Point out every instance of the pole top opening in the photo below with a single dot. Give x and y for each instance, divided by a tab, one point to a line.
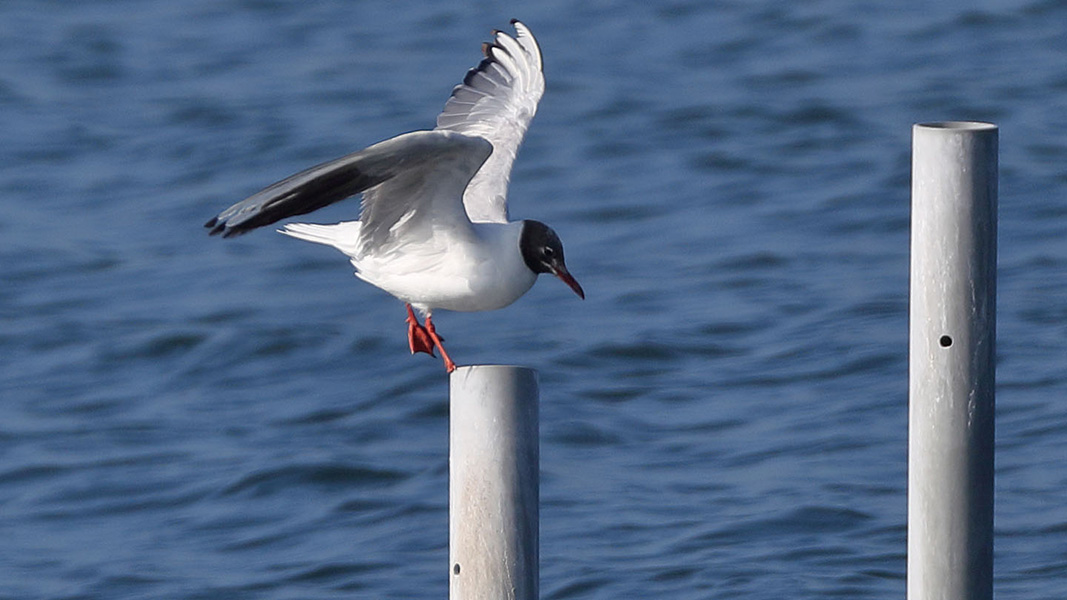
958	125
467	370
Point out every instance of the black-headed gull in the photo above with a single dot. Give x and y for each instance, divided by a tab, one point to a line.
433	229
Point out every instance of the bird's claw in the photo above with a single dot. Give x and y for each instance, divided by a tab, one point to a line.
418	338
425	339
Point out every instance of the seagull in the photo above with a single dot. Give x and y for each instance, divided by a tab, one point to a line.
433	227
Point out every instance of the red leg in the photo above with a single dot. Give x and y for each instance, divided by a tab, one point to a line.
418	338
449	365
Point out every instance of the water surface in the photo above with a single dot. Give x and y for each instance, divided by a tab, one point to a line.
725	416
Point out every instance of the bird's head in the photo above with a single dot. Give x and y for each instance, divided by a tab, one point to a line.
543	253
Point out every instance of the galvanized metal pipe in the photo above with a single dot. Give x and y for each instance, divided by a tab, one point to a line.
493	483
952	355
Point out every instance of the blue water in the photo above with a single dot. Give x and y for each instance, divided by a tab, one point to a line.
725	416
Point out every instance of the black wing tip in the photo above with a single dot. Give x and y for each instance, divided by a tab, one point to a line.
540	55
468	79
487	48
216	227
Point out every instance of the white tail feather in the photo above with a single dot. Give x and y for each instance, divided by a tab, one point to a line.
343	236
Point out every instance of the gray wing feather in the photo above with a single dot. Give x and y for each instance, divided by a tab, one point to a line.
496	101
412	175
299	194
427	193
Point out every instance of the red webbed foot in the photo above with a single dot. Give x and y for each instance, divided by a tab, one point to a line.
449	365
425	339
418	338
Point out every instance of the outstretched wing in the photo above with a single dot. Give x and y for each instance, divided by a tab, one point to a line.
407	181
496	101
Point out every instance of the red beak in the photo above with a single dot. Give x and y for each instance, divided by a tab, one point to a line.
567	278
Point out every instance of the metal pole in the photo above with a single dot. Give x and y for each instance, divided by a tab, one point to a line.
493	483
952	361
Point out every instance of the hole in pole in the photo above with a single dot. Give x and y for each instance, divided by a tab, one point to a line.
455	569
945	341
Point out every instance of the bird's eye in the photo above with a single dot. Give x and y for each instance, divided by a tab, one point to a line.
549	252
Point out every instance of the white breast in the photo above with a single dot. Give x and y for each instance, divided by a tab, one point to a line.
483	272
